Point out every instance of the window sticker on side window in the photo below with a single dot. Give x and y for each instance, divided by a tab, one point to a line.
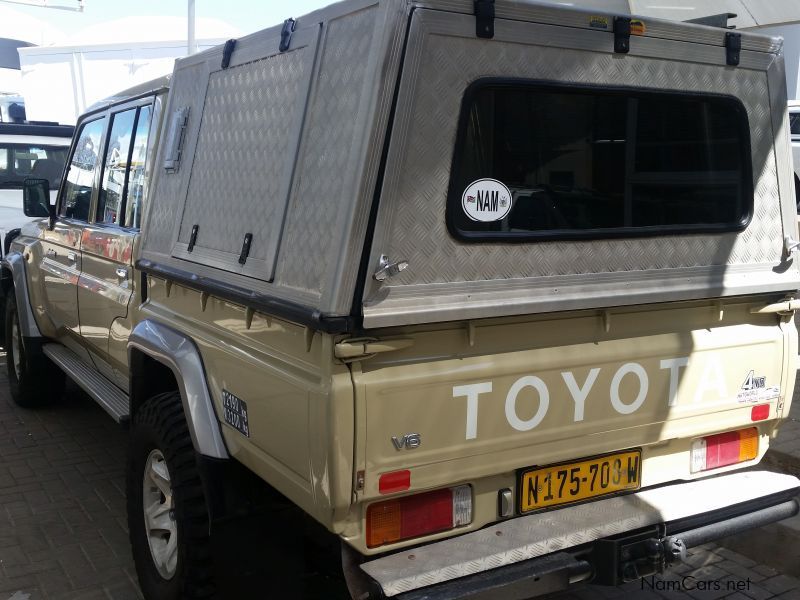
486	200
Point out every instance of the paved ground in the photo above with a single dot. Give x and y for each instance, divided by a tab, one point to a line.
63	531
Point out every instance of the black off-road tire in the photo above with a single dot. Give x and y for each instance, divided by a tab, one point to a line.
32	377
159	425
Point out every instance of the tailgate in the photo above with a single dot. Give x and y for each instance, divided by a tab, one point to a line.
486	399
571	249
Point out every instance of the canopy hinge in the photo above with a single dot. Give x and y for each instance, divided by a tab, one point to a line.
733	48
484	19
622	35
289	25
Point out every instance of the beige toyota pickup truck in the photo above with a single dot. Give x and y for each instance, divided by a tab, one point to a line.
494	297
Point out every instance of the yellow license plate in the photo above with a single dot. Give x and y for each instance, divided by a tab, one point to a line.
560	484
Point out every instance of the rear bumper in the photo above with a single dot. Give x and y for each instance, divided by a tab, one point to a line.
608	541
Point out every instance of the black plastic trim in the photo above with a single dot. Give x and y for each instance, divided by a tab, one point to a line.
453	198
270	305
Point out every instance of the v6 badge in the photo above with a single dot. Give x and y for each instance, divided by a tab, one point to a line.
408	441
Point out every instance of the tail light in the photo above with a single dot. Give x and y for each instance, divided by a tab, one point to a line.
417	515
722	449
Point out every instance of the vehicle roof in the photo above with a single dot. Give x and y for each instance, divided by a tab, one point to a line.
143	89
37	129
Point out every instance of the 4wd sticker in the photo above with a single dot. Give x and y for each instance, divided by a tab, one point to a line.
486	200
754	389
235	410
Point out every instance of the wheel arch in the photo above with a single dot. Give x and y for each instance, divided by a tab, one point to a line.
162	359
14	277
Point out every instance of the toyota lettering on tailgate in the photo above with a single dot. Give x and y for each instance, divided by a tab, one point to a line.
712	384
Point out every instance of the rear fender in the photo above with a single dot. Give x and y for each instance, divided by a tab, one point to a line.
180	354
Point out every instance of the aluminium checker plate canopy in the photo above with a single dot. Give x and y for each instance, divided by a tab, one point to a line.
452	279
328	100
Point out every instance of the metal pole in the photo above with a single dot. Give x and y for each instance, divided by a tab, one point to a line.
191	46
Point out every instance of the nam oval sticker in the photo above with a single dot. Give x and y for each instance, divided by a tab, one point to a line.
486	200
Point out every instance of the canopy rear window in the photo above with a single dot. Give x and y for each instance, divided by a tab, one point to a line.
545	161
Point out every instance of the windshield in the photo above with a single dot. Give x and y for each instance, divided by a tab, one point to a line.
19	162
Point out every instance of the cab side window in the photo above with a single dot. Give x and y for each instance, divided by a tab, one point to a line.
136	179
80	173
122	183
115	167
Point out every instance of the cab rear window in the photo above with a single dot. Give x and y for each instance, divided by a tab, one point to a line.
541	161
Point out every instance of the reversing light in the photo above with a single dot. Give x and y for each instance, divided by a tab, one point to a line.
417	515
722	449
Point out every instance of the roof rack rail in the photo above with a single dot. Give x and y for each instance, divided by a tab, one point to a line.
720	20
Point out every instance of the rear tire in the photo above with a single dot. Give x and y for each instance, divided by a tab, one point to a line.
34	380
167	512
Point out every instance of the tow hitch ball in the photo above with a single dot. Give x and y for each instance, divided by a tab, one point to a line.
627	559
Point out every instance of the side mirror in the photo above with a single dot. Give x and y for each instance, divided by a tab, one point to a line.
36	198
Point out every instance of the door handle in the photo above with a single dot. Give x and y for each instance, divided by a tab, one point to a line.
72	257
122	272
